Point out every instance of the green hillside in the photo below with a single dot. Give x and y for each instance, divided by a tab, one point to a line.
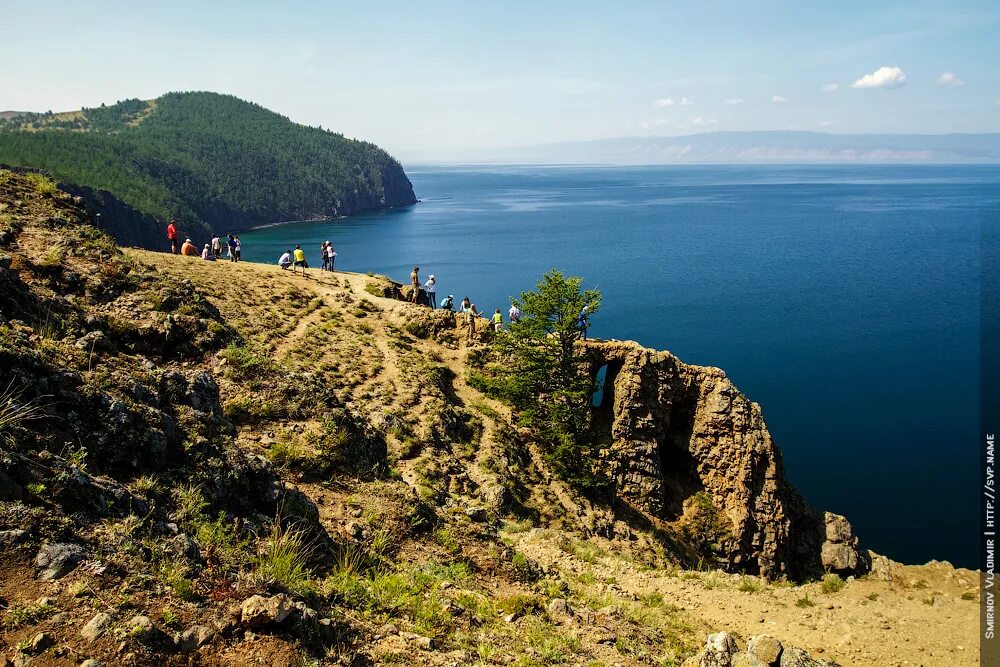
211	160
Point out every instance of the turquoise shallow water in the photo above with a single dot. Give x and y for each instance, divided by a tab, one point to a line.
843	299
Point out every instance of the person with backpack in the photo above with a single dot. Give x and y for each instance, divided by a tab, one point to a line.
172	235
514	314
431	288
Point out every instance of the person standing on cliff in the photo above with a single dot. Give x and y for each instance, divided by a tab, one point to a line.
172	235
473	315
239	247
217	247
431	288
514	314
231	244
415	282
497	321
331	254
300	259
325	257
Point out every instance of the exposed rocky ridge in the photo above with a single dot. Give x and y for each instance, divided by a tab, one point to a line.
676	430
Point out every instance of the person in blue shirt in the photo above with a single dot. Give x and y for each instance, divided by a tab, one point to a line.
582	322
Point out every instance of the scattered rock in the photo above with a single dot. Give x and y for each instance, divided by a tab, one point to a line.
193	638
257	611
58	560
96	627
425	643
39	643
94	341
764	648
477	514
559	608
90	662
141	627
9	538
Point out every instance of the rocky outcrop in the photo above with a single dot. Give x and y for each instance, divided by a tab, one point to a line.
680	436
722	650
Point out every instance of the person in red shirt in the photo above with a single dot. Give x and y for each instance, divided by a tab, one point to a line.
172	236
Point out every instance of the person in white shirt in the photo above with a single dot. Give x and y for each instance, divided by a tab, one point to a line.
514	314
431	288
331	254
286	260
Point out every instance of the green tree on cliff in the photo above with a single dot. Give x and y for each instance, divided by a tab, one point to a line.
538	367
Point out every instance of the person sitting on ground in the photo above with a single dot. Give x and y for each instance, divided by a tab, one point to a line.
207	253
514	314
497	321
300	259
331	253
448	303
285	260
415	282
189	249
172	235
431	288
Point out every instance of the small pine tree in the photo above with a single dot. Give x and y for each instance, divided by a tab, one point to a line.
538	367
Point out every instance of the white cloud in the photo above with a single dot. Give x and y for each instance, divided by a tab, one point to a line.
949	79
663	102
824	123
829	87
733	100
883	77
778	99
698	120
685	102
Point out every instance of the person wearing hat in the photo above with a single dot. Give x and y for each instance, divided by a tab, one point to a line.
448	303
207	253
188	249
431	288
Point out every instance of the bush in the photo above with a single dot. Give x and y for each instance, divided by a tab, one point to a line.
283	561
832	583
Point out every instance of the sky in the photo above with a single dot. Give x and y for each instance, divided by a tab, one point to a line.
424	79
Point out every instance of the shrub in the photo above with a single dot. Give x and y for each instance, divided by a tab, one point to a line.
247	363
283	561
832	583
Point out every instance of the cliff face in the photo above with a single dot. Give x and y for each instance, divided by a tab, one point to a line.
676	431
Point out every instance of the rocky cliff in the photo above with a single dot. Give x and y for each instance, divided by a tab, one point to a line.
679	434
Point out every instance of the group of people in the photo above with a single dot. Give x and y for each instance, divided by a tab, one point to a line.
210	252
296	259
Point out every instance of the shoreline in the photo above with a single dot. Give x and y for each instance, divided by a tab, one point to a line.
327	218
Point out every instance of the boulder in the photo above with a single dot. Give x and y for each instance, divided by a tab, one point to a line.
9	538
96	627
258	611
39	643
718	651
764	648
141	627
796	657
193	638
58	560
840	553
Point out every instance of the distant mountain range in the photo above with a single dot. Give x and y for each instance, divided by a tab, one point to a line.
753	147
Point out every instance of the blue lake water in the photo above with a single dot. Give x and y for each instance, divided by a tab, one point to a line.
843	299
